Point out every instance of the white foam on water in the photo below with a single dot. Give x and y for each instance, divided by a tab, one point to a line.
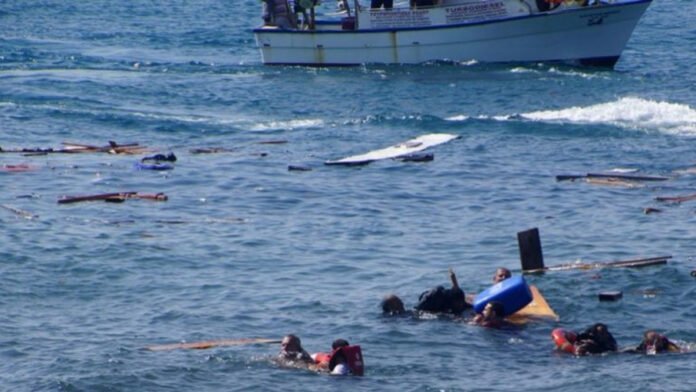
459	117
289	124
629	113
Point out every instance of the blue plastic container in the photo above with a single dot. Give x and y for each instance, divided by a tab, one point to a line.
513	293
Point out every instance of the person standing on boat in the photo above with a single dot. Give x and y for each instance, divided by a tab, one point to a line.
277	13
387	4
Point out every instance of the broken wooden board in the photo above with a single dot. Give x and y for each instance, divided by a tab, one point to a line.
626	177
211	343
115	197
675	199
634	263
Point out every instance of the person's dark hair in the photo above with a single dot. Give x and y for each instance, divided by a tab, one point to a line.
391	304
339	343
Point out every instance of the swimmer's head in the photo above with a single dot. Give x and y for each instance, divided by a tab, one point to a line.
391	304
501	274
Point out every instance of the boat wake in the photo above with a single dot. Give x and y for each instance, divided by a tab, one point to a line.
628	113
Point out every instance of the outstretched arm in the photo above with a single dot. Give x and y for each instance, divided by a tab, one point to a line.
453	278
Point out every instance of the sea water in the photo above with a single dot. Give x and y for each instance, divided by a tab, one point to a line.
245	248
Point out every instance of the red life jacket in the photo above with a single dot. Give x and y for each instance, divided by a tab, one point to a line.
354	359
322	359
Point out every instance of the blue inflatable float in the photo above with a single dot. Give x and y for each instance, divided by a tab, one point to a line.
513	293
154	166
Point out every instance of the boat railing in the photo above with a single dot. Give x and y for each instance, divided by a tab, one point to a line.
300	14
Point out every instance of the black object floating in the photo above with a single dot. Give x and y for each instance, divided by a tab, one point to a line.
610	295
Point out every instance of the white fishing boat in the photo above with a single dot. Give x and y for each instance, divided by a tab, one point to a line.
489	31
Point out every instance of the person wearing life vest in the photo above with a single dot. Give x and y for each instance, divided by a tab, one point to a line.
344	359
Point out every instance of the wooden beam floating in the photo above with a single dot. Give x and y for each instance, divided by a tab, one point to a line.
116	197
627	177
675	199
532	259
211	343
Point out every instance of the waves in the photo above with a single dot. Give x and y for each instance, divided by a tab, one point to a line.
629	113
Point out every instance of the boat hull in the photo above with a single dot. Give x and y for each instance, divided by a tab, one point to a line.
587	35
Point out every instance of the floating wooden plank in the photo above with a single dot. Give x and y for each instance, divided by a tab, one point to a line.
211	343
633	263
398	150
72	148
610	181
532	259
627	177
210	150
115	197
112	148
17	211
20	168
675	199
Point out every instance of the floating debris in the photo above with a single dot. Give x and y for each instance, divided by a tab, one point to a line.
424	157
614	182
532	258
627	177
17	211
299	168
210	150
675	199
651	210
273	142
20	168
72	148
610	295
160	158
117	197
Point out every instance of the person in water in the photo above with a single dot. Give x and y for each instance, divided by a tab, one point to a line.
595	340
442	300
343	359
292	353
338	364
491	316
654	343
501	274
392	305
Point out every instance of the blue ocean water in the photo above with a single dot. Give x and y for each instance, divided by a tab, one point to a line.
246	248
